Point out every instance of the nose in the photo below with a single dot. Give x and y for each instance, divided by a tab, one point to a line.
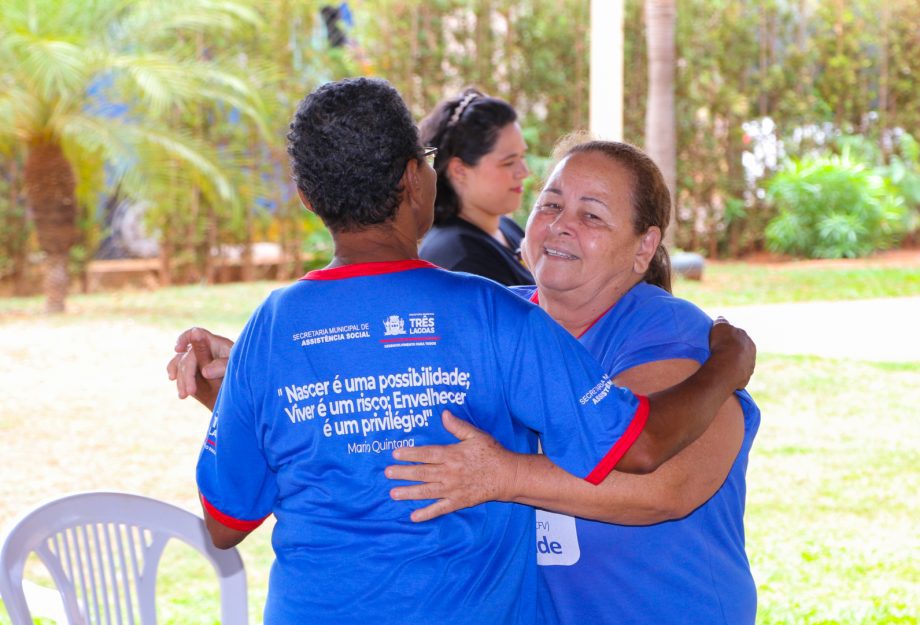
522	170
560	225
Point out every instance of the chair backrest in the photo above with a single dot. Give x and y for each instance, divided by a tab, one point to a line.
102	550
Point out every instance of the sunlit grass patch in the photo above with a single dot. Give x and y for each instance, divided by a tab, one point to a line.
741	284
832	506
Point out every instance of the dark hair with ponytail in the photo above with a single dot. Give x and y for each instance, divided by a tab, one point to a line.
651	199
466	126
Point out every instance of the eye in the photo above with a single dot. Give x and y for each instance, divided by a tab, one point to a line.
549	205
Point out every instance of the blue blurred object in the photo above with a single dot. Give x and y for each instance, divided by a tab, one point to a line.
345	15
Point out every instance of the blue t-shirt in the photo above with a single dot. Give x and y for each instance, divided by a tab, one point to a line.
690	571
334	372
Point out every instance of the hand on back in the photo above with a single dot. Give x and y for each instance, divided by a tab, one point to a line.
199	365
734	344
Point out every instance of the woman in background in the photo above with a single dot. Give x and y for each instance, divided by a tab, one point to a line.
481	171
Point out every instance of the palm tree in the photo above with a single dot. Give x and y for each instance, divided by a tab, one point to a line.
661	118
64	64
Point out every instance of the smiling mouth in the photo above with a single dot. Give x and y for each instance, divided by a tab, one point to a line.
558	254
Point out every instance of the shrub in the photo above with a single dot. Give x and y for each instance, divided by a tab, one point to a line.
833	206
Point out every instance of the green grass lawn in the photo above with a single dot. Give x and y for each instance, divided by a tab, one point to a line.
724	284
738	284
833	479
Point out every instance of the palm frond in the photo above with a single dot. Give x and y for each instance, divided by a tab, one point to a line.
254	110
156	22
61	18
22	114
142	154
164	83
195	154
56	67
160	81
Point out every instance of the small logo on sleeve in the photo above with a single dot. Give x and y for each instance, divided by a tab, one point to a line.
210	442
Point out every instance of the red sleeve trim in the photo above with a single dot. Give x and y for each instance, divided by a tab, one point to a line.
229	521
368	269
619	449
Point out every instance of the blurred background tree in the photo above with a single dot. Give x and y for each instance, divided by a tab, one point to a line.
182	107
66	65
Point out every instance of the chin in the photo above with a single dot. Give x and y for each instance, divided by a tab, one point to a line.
512	206
553	278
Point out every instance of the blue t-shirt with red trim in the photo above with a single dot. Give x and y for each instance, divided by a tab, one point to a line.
333	373
690	571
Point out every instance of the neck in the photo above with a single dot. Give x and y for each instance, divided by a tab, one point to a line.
577	309
381	243
486	222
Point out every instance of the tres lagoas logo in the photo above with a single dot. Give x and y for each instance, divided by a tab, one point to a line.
420	329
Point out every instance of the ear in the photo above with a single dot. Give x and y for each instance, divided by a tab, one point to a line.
648	245
456	171
412	178
303	200
524	258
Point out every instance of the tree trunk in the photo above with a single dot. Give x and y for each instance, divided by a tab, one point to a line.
660	119
51	190
883	80
764	65
167	249
578	119
211	240
18	223
283	246
414	98
485	69
193	242
57	280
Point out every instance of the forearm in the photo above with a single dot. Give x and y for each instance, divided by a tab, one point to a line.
546	486
479	469
222	537
621	498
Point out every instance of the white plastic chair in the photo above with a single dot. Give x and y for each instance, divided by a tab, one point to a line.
102	551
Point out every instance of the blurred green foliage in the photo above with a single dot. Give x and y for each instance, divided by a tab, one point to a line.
847	67
834	206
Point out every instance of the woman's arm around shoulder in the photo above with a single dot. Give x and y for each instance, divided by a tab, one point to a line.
478	469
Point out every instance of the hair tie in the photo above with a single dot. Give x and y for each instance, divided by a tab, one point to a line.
460	108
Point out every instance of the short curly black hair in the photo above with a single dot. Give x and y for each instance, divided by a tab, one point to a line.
349	143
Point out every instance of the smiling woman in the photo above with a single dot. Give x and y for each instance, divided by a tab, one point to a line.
593	241
581	242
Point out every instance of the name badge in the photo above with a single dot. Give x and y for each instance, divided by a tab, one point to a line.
557	539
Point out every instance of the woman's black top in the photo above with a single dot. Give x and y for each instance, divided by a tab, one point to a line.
459	245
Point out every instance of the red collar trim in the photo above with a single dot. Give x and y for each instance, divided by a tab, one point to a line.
535	298
367	269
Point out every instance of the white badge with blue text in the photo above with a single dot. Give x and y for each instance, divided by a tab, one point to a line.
557	539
